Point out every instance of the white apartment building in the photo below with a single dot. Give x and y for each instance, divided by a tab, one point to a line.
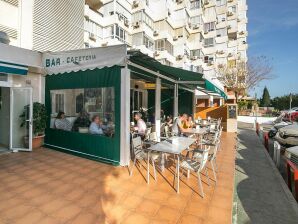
197	35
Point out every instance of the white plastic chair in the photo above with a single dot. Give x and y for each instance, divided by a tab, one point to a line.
197	155
141	154
196	166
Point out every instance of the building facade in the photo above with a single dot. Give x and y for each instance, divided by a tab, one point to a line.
191	34
197	35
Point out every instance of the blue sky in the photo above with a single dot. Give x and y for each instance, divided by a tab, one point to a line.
273	32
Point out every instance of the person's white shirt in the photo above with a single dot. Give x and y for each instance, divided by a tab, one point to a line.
141	126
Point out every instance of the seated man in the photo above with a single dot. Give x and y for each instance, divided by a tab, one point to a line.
82	121
95	127
177	128
141	125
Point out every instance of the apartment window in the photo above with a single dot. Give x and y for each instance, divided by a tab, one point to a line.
148	43
195	4
142	17
208	59
209	27
120	33
122	17
196	20
137	17
147	20
162	45
93	27
221	2
209	42
195	53
232	9
221	32
109	32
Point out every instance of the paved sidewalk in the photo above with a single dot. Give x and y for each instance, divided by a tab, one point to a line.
261	195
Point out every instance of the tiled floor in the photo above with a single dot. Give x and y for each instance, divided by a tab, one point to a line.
46	186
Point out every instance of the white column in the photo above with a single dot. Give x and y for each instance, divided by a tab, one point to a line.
194	106
175	110
26	24
124	117
157	107
211	101
220	102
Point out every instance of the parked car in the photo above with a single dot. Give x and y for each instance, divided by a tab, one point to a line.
291	116
292	154
294	109
288	135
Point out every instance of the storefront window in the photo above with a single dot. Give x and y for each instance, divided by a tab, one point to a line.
89	110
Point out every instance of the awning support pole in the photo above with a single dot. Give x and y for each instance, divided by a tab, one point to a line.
175	110
157	107
194	106
125	118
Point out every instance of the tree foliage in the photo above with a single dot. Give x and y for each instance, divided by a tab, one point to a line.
265	101
283	102
244	76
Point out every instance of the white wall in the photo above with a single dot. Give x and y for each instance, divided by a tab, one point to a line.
26	23
9	21
36	81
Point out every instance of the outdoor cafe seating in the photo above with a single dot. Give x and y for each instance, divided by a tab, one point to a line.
191	152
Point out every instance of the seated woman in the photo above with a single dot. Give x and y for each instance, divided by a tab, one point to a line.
95	127
190	122
82	121
61	122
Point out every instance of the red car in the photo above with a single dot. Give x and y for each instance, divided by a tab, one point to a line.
293	115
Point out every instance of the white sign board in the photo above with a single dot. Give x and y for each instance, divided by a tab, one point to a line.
90	58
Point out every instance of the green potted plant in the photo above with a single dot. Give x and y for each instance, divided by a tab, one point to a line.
39	123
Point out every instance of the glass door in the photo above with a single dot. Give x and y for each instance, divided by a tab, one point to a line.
20	119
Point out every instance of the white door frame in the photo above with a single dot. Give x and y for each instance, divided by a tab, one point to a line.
30	119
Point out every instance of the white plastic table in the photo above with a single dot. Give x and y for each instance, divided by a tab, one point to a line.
174	145
198	132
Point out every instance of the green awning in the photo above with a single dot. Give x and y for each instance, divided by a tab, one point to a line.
213	88
181	76
184	78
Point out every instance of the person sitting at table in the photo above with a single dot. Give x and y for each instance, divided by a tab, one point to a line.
177	128
185	122
61	122
82	121
169	120
95	127
189	122
141	125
